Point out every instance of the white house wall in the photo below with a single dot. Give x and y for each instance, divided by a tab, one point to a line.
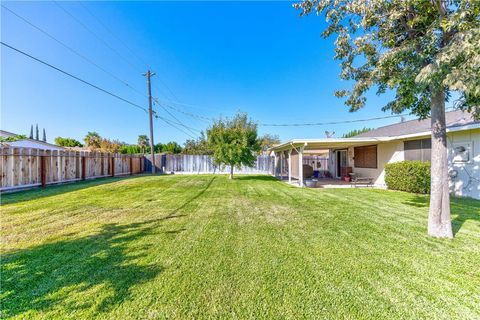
467	180
386	152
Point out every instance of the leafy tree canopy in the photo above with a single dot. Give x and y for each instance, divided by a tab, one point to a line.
234	141
414	47
158	148
199	146
67	142
132	149
143	141
107	145
172	147
92	140
6	140
268	140
356	132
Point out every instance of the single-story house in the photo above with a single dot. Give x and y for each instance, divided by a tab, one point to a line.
28	143
366	154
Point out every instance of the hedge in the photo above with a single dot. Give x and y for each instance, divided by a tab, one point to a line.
409	176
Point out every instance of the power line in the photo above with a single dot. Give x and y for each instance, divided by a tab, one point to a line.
183	125
191	105
199	117
335	122
126	46
328	123
72	50
95	35
179	122
73	76
113	33
173	126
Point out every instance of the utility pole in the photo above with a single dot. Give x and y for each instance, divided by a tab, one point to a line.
150	115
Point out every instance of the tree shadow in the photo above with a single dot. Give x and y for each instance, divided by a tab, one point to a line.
418	201
462	209
37	193
255	177
52	274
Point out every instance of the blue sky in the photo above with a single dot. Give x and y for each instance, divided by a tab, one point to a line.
214	57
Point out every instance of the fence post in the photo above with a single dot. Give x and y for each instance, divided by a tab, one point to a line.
112	162
84	166
131	164
43	169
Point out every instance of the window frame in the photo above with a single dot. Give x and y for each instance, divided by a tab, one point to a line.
424	150
362	166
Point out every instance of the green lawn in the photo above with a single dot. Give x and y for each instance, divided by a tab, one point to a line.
205	247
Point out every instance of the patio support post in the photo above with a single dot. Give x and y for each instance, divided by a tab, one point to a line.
300	167
282	156
275	172
290	166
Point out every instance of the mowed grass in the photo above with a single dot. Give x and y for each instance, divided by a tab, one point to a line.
156	247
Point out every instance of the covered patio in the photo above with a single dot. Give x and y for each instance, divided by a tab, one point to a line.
290	164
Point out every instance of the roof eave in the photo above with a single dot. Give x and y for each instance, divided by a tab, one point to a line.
324	143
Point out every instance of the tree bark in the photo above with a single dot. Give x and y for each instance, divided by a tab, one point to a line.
439	221
231	172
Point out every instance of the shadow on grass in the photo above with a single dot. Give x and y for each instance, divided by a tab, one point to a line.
26	195
67	273
462	209
255	177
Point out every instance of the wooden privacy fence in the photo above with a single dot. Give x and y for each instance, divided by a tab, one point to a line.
25	167
200	164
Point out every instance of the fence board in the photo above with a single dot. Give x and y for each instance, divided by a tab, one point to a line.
200	164
25	167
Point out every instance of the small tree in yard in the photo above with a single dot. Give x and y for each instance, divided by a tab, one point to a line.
422	50
234	142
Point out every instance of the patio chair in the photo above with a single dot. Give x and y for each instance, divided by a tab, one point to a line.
358	180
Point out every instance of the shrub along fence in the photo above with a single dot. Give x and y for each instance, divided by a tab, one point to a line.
25	167
201	164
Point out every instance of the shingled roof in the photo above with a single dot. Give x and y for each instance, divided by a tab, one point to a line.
453	119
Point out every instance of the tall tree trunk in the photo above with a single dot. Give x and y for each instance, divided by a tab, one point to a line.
439	221
231	172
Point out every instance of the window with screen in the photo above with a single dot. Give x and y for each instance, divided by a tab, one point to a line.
420	150
365	157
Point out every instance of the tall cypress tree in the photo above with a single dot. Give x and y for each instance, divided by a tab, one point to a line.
36	132
44	136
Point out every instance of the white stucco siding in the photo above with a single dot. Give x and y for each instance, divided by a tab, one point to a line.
467	180
386	152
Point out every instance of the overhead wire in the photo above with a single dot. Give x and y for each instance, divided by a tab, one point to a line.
179	122
74	76
73	51
126	46
113	34
95	35
173	126
199	117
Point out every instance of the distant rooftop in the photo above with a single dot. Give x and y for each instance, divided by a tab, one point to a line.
453	118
